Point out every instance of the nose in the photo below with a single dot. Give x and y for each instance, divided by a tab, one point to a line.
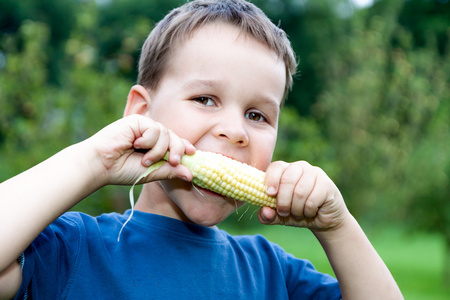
232	130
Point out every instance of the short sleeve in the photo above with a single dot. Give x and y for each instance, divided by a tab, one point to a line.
289	277
305	282
50	259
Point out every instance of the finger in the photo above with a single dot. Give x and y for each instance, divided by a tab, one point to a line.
149	137
167	171
188	147
288	184
302	191
273	175
176	149
319	195
160	147
267	215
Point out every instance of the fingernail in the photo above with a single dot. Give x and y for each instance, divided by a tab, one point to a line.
271	190
177	158
284	214
264	218
148	163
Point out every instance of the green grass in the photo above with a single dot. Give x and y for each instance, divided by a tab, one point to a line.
415	260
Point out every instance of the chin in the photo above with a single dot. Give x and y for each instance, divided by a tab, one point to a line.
208	216
200	206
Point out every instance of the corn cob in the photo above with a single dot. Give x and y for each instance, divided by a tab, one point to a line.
228	177
220	174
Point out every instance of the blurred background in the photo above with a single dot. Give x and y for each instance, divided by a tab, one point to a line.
370	106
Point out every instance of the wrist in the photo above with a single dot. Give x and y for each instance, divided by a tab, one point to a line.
88	165
359	269
344	229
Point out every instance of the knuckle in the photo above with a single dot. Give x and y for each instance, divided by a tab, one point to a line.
287	180
163	130
297	211
157	128
299	194
319	171
279	163
276	167
310	209
302	164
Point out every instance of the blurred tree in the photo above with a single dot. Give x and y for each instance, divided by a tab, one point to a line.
123	26
59	15
427	18
313	29
300	138
428	182
22	103
385	110
38	119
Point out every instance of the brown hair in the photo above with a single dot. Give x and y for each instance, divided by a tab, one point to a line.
181	22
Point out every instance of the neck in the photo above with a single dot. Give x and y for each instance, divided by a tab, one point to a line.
154	199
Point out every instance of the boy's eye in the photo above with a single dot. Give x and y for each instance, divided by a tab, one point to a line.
204	100
254	116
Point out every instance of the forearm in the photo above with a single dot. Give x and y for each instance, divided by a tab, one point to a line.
30	201
359	269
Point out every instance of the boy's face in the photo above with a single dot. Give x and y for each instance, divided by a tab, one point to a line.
222	92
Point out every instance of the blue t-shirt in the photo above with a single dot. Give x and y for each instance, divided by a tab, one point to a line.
79	257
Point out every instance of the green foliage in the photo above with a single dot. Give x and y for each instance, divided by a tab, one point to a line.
384	107
58	15
38	119
379	119
300	138
22	99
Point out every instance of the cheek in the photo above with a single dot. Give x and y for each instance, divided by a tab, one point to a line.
264	152
180	122
187	129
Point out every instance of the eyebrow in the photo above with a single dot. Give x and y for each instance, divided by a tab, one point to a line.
201	83
270	102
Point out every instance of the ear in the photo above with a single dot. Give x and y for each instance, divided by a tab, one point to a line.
138	101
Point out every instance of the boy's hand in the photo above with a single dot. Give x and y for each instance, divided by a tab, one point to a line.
128	146
306	197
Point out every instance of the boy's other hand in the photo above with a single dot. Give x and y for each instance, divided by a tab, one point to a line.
306	197
128	146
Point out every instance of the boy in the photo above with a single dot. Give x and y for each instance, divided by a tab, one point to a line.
212	76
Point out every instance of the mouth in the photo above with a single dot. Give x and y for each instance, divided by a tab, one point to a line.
203	191
216	196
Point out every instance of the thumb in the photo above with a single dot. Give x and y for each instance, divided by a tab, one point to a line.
163	170
268	216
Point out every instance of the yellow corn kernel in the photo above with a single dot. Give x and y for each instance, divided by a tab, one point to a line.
228	177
